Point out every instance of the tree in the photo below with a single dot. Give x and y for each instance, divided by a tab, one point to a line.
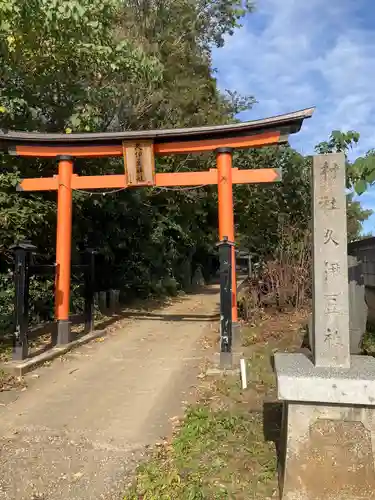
61	70
61	66
79	65
359	173
263	213
356	215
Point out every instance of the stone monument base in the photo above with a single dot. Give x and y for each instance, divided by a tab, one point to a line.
298	379
328	452
328	432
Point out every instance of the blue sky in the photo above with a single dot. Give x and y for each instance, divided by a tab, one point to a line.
293	54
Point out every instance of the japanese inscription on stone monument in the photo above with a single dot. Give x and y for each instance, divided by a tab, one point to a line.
330	267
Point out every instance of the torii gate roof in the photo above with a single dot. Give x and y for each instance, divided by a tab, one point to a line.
256	133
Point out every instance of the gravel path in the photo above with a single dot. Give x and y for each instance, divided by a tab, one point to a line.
81	426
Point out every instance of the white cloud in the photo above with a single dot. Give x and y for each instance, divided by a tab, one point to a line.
293	54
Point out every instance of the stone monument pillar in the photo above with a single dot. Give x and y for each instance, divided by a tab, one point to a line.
328	439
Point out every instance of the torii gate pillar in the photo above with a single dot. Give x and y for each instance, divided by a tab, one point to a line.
226	213
63	248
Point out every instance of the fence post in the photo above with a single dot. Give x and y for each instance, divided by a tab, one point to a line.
103	302
22	254
249	266
226	263
89	290
113	300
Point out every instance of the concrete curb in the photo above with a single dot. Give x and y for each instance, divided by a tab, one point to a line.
233	369
217	372
20	368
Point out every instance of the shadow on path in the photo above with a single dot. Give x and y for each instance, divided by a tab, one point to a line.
170	317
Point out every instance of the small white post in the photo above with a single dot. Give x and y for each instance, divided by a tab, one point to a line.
243	373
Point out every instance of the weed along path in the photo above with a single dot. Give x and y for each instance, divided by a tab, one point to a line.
79	428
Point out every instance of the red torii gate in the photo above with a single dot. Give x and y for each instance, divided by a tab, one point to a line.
138	150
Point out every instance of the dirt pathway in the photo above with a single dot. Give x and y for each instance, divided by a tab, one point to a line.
79	428
227	444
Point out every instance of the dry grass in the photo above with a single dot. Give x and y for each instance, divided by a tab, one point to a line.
284	280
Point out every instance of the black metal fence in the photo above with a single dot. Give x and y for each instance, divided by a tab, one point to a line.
29	265
88	284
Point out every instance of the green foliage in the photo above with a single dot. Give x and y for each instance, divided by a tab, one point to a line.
79	65
61	65
6	302
361	172
356	215
263	211
220	17
203	459
338	142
